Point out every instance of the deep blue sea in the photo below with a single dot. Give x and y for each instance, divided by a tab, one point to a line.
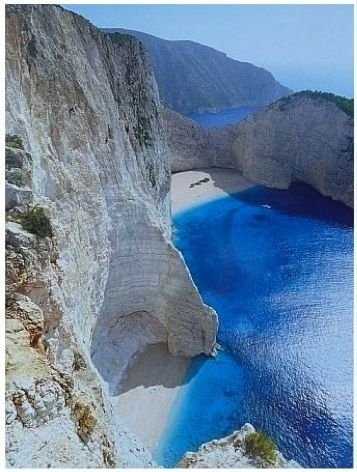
217	120
277	266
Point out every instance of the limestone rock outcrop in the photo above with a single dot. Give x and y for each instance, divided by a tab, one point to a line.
107	281
296	139
18	173
231	453
57	413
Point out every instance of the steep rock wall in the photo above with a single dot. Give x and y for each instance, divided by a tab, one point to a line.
296	139
87	108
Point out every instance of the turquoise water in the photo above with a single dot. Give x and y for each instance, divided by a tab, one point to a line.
281	281
227	117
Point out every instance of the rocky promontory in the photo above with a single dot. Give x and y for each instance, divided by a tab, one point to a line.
243	449
300	138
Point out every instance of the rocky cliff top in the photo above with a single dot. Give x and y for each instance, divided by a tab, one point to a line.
301	138
345	104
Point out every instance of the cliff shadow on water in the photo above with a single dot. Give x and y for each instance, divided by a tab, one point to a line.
277	266
306	202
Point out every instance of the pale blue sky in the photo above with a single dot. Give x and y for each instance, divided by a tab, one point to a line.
304	46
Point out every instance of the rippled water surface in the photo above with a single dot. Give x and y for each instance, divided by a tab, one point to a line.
227	117
278	268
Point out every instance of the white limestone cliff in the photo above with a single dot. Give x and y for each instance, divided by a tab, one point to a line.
83	303
299	138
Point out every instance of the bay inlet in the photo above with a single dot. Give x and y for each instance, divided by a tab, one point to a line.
277	266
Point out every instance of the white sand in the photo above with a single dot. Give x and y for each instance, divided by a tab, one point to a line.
149	391
155	378
222	182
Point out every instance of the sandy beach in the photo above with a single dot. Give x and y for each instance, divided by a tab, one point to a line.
152	383
149	391
191	188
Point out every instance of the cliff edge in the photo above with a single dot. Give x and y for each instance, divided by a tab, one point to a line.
243	449
299	138
87	156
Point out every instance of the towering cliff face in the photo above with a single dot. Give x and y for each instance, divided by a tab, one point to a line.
109	282
299	138
196	78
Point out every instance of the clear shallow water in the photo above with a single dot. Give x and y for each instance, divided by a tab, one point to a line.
228	117
281	281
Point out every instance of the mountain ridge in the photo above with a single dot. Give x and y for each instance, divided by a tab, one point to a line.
193	77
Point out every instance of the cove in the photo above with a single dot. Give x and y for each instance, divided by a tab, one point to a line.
222	118
277	266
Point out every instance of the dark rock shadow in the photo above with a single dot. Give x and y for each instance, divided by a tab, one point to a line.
299	199
156	366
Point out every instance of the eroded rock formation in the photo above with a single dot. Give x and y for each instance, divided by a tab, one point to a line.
107	281
296	139
232	452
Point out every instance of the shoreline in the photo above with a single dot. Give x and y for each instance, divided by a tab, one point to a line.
148	392
155	379
196	187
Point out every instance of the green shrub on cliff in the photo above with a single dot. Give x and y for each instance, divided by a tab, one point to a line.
13	140
35	221
151	174
121	38
142	135
345	104
259	445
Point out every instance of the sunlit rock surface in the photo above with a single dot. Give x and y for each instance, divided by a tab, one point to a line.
229	452
296	139
82	303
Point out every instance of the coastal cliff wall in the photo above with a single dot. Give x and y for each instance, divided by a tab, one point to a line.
296	139
107	281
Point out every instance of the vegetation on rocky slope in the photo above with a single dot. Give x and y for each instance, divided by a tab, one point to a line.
13	140
121	38
345	104
259	445
35	221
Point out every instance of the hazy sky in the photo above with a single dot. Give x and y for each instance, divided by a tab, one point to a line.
304	46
